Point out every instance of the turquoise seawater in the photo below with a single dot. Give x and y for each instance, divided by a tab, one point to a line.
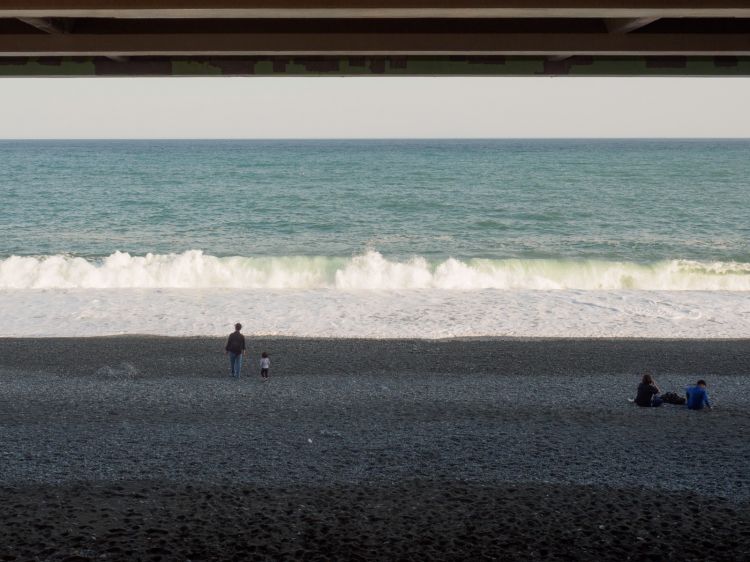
429	239
636	201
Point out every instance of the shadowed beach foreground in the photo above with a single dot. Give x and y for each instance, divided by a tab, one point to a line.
143	448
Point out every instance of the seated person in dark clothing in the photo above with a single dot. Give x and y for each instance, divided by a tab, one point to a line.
697	397
648	393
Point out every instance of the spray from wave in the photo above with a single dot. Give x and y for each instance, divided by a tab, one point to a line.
370	271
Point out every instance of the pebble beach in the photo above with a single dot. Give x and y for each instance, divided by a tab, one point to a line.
143	448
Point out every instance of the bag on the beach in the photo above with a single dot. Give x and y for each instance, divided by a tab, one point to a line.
672	398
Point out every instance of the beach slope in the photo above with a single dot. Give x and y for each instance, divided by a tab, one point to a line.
143	448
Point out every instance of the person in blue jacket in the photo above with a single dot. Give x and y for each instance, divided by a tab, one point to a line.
696	396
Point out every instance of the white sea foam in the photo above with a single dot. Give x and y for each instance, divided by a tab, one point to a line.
369	271
370	296
376	314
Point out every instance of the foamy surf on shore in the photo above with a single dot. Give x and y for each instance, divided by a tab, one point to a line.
426	314
370	296
369	271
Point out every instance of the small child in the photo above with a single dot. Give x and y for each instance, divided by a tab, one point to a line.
265	364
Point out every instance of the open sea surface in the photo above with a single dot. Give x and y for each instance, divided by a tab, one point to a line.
387	238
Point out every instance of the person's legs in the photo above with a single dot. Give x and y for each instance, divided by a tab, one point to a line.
656	401
235	362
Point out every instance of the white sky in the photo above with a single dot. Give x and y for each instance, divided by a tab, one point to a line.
373	107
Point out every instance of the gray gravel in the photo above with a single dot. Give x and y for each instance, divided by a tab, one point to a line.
364	412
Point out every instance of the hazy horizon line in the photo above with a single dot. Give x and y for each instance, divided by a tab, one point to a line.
395	138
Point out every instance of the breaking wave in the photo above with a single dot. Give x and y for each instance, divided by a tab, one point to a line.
369	271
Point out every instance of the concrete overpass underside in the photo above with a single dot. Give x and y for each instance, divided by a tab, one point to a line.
374	37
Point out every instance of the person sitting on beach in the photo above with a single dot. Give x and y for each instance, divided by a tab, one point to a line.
648	393
697	397
236	349
265	364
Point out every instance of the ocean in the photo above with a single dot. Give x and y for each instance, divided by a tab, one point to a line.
382	238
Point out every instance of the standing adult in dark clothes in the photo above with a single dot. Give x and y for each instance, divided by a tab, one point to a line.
236	349
648	393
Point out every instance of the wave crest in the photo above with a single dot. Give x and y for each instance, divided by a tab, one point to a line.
370	271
